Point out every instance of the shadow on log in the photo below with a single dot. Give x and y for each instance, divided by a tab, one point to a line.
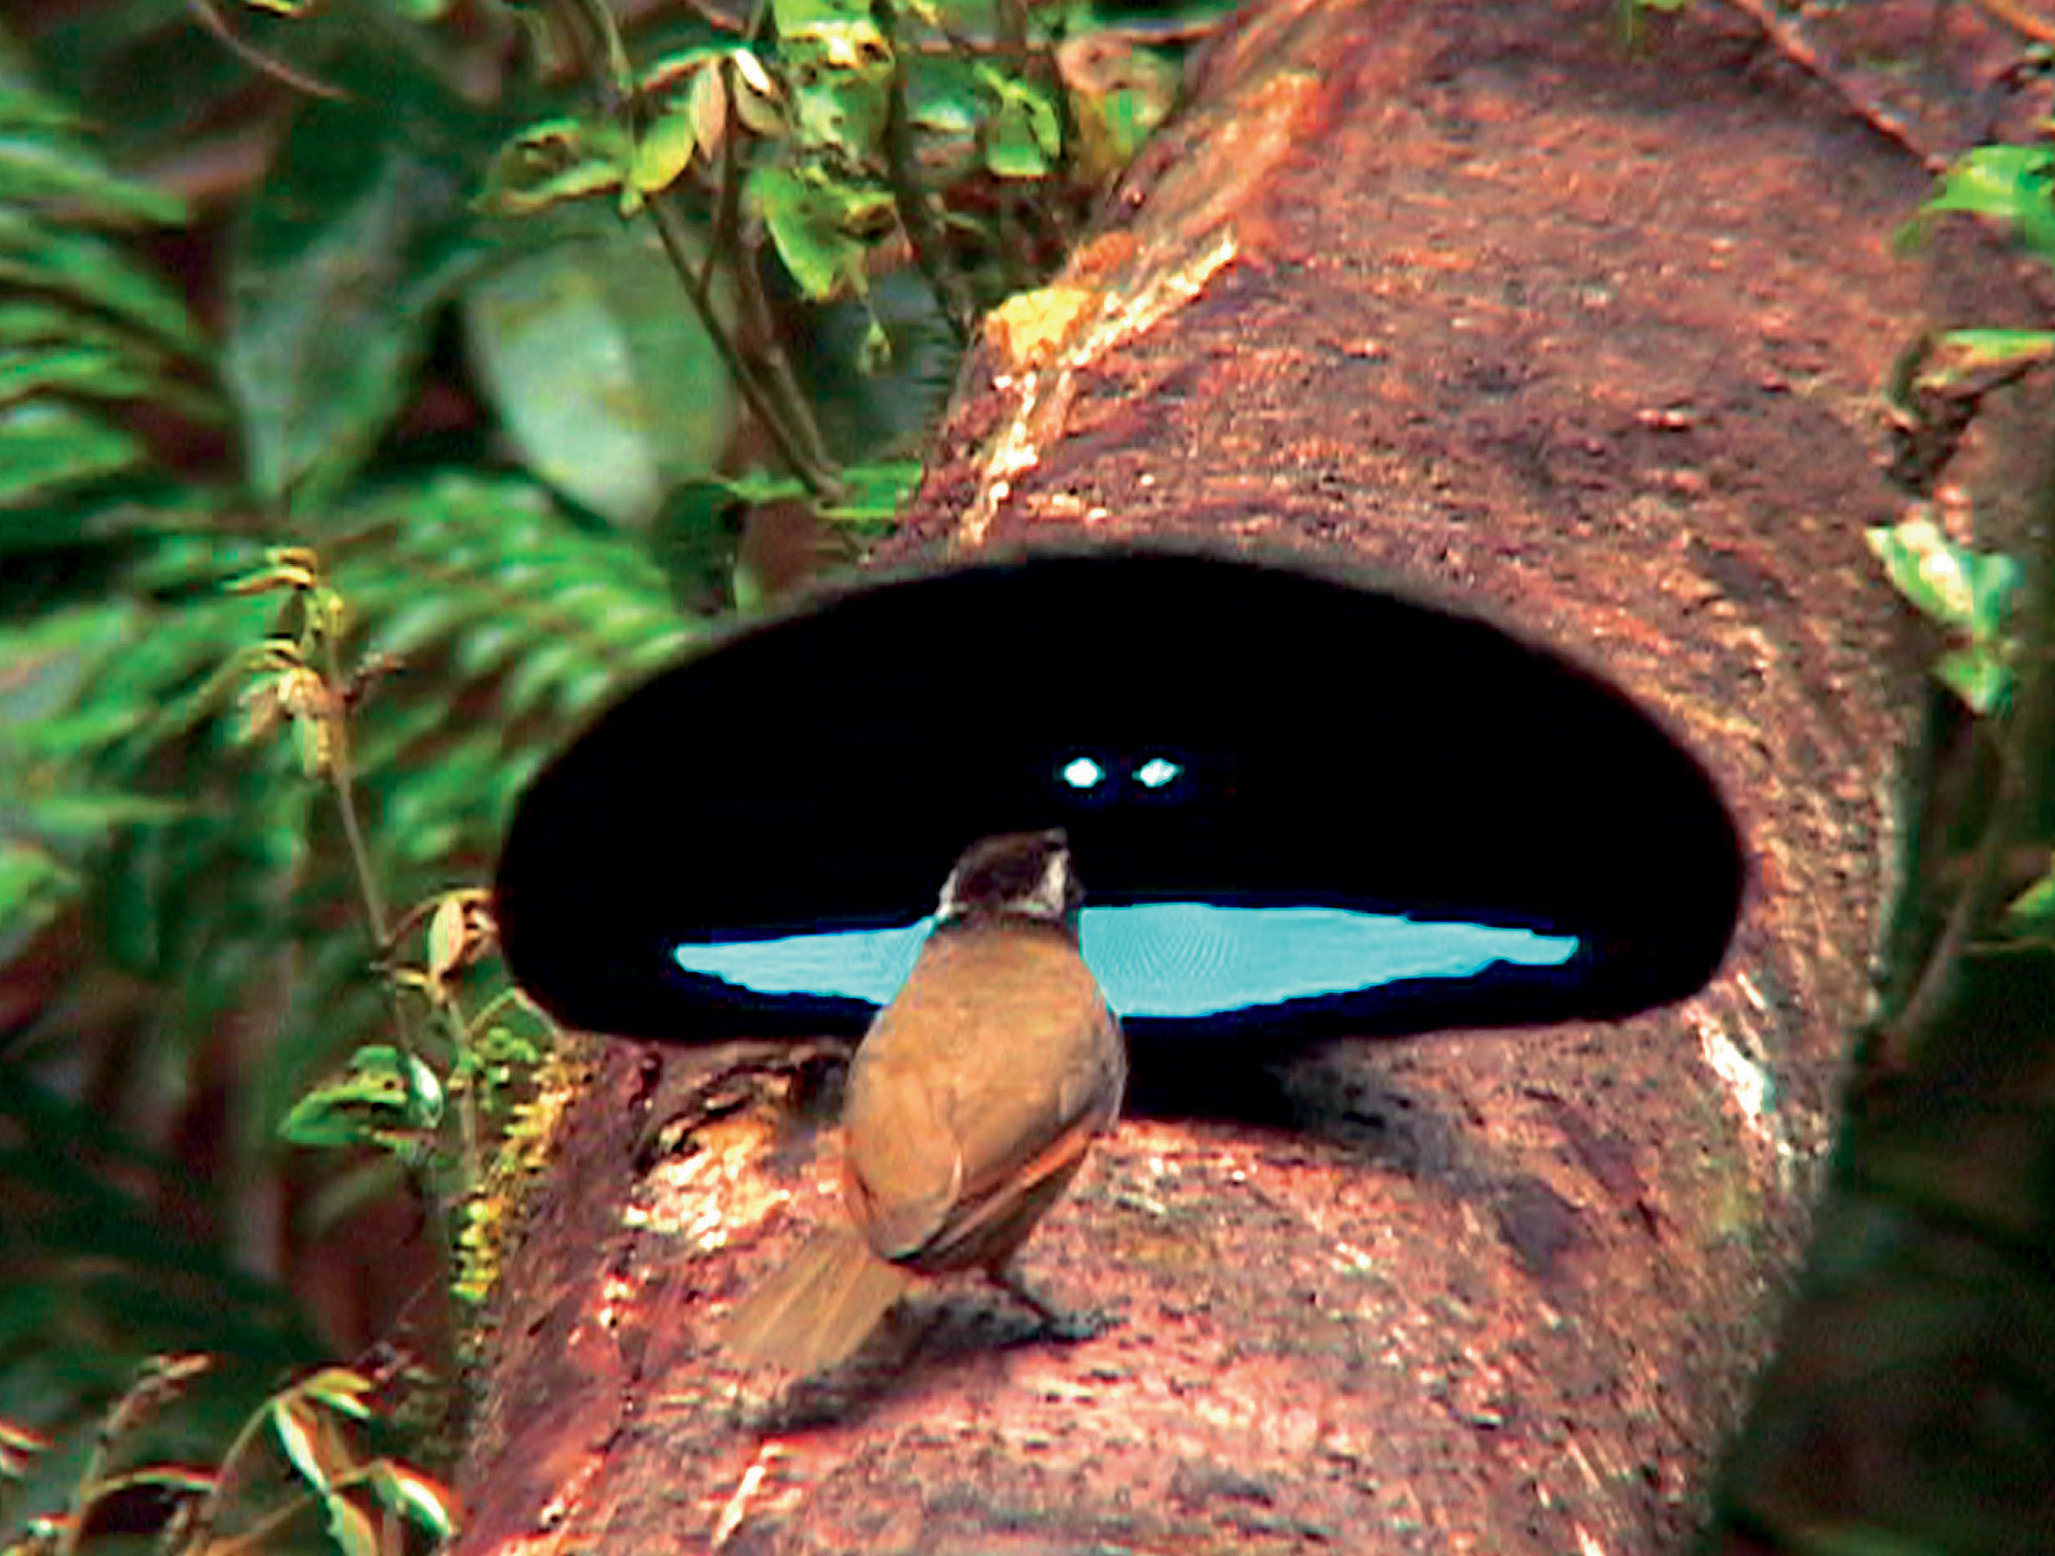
1467	296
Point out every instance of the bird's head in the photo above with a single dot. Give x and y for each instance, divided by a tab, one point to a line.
1014	875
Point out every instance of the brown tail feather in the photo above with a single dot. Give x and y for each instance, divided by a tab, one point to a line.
819	1308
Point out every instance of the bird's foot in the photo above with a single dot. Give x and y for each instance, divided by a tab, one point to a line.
1066	1326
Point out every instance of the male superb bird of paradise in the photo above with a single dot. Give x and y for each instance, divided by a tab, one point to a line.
971	1104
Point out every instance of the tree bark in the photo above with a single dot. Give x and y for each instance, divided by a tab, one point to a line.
1590	341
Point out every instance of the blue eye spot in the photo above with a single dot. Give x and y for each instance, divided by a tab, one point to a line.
1156	772
1084	773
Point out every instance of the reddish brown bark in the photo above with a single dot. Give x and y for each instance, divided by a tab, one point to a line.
1590	341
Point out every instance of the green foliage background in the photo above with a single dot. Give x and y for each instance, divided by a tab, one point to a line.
363	278
177	902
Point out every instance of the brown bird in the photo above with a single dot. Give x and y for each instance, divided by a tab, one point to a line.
972	1101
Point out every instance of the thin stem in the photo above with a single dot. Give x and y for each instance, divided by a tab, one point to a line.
210	1506
83	1490
923	233
253	1537
510	995
609	68
719	20
812	472
777	381
1972	905
467	1098
204	12
344	783
2022	742
764	382
342	778
727	230
2036	725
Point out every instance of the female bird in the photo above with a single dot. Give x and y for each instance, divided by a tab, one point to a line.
972	1101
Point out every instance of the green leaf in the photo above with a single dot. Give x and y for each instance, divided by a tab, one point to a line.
761	486
83	267
820	226
34	885
46	449
425	1098
342	1389
22	105
485	647
670	70
839	67
83	733
90	817
1972	359
608	382
553	162
1024	135
875	492
357	236
351	1528
1011	148
44	157
385	1098
1995	581
42	323
800	18
1956	586
85	371
759	101
537	673
662	154
311	1451
414	1495
1118	95
946	110
48	349
2033	910
1976	675
1968	592
2004	183
45	661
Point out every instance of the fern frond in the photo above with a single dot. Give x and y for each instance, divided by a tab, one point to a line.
85	327
509	622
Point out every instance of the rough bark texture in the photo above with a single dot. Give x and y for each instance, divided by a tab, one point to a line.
1592	342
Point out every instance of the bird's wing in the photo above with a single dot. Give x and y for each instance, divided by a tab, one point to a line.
1044	1027
901	1167
976	1096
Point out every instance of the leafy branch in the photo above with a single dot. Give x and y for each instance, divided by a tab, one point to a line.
189	1506
853	136
1992	862
390	1097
